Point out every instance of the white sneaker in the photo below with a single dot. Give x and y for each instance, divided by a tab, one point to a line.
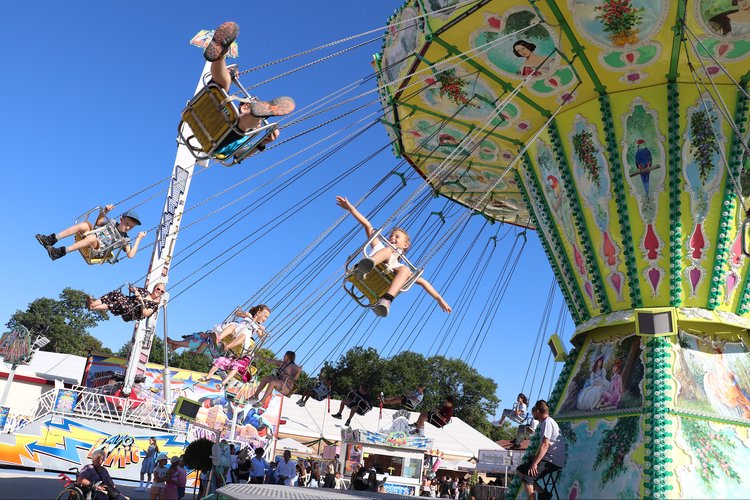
382	307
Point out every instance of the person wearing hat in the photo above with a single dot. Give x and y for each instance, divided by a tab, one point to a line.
172	479
139	305
95	237
160	477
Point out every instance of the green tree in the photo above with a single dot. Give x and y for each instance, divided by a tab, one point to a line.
65	322
474	395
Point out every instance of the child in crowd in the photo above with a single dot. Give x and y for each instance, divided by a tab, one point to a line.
382	253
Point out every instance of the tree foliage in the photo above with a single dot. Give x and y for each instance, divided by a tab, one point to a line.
474	395
65	322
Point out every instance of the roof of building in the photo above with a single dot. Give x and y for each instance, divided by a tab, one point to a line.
51	366
457	439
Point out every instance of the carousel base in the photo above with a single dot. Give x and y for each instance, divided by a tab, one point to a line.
271	491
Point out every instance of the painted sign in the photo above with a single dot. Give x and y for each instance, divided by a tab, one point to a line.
15	346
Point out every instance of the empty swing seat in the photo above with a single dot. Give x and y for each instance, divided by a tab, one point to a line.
213	118
368	290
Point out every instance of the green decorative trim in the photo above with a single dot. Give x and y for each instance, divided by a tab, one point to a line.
728	204
474	163
658	353
452	50
709	417
674	60
578	219
578	49
468	125
574	312
623	217
675	191
546	218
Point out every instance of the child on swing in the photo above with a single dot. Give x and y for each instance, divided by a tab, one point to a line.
251	115
242	331
241	366
319	391
385	254
93	239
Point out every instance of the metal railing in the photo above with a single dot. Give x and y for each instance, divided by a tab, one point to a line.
84	402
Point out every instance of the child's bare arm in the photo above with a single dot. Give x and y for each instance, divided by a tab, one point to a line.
346	205
102	217
130	250
434	294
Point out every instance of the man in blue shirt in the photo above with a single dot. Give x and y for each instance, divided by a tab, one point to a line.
96	474
258	467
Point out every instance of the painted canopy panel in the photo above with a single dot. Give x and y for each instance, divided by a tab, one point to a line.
616	128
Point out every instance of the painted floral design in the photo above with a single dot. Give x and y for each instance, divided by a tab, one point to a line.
709	448
615	445
703	145
586	151
620	19
453	87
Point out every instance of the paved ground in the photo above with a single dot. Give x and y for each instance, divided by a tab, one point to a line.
19	484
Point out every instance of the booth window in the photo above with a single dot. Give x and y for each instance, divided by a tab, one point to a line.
395	466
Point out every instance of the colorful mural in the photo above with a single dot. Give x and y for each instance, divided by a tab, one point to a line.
609	377
58	443
608	447
254	426
713	378
712	460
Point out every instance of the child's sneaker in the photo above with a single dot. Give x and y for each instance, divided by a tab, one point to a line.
300	403
223	37
278	107
56	253
46	241
382	307
337	416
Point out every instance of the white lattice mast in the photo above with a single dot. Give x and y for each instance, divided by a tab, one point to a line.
166	237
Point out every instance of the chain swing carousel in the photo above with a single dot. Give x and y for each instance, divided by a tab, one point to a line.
617	129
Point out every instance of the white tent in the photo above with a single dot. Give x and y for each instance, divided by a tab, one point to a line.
292	445
457	440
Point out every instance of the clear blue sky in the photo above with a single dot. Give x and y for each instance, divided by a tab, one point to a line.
91	101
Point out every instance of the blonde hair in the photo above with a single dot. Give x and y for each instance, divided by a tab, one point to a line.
403	231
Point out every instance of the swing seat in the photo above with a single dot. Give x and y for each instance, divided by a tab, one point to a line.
212	116
107	252
366	292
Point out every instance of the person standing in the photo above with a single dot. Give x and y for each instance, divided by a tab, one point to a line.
149	461
286	469
258	467
549	457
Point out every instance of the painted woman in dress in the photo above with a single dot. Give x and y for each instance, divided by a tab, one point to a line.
612	396
590	395
535	64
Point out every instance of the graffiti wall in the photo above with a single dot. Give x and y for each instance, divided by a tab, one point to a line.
59	443
713	377
608	377
602	459
711	459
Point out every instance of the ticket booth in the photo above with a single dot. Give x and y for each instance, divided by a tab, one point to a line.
397	458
